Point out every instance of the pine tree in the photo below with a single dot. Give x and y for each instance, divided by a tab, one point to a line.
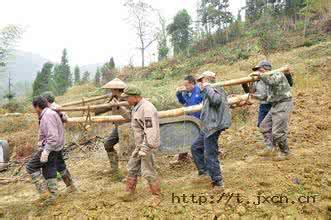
97	78
77	75
43	79
86	77
215	14
108	71
254	9
181	32
62	74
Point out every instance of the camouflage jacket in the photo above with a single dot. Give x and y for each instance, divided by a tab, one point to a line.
279	88
261	91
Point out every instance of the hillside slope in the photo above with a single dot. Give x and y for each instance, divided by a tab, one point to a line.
307	173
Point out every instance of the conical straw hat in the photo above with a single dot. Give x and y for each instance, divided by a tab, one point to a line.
115	84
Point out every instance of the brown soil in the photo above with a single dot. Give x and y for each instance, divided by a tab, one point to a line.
307	173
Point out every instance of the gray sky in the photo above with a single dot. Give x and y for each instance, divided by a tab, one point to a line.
92	31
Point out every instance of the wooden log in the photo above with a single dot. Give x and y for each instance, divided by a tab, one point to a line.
162	114
248	79
92	108
87	100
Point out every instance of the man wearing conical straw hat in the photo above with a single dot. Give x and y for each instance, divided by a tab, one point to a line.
116	88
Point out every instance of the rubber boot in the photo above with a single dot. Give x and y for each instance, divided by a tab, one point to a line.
39	182
131	183
284	151
268	143
67	179
113	159
52	188
155	189
41	186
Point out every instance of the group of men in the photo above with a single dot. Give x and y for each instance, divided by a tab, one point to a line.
273	90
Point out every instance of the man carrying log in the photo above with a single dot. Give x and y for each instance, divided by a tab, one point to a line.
116	87
215	117
65	174
44	162
275	124
50	97
188	95
259	91
146	130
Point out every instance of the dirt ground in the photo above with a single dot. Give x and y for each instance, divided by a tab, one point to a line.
299	187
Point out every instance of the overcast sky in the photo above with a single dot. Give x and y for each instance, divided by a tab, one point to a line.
92	31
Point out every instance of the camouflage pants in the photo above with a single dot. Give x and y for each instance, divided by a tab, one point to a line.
274	127
144	166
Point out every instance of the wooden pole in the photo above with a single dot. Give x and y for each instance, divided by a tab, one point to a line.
92	108
96	98
162	114
248	79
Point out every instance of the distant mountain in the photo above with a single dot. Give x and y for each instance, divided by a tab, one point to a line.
24	66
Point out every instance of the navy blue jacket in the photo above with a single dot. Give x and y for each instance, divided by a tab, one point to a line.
190	98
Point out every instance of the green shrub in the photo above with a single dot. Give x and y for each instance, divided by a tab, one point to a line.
14	106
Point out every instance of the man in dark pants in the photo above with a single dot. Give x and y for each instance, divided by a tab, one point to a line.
48	158
65	174
215	117
259	91
188	95
116	88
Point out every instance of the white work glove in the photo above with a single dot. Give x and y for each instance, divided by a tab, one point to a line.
44	156
140	151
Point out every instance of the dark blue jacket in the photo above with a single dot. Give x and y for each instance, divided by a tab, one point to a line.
190	98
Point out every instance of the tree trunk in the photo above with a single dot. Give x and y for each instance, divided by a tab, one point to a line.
305	26
142	57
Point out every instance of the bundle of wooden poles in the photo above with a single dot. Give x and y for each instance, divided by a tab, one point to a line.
237	100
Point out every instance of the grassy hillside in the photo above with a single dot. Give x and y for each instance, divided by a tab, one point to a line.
306	173
310	65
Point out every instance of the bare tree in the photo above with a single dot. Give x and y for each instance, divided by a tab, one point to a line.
140	17
8	37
